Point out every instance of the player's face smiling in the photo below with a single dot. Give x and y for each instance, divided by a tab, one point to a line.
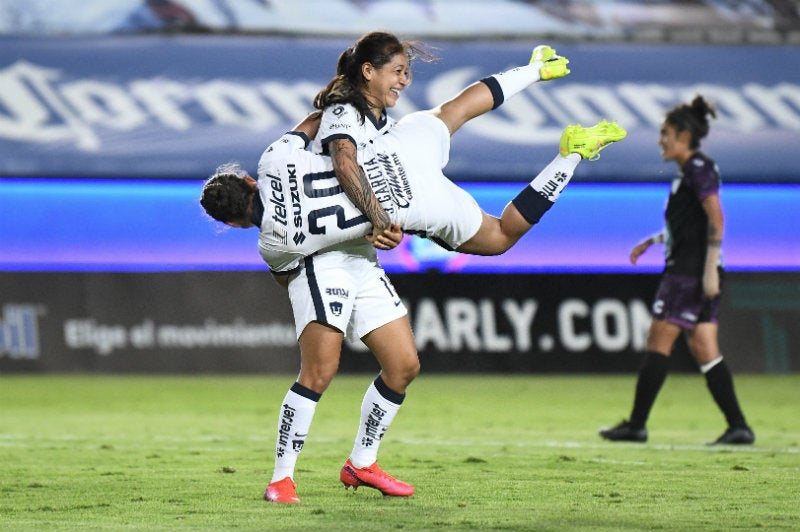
385	84
674	146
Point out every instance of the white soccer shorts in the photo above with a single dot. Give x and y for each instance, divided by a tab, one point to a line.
350	292
418	148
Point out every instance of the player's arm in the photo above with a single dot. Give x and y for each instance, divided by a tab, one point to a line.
716	226
639	249
355	184
309	126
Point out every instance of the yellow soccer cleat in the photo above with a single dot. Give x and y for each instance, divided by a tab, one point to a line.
588	141
554	66
542	53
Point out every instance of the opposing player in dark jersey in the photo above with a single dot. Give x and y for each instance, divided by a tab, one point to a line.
689	292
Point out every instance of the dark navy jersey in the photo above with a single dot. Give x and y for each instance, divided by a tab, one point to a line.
687	222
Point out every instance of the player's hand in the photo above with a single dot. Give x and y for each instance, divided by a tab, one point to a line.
390	238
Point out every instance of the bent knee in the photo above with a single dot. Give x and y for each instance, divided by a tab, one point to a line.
410	369
702	352
317	379
399	376
413	369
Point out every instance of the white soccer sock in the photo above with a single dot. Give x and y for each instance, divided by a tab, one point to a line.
293	424
377	413
708	366
518	79
555	176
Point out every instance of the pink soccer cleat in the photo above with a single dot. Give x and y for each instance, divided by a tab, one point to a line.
374	477
283	491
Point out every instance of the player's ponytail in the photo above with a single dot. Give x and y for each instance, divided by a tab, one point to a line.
344	62
702	109
344	87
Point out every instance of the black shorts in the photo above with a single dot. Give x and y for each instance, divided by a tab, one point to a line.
680	300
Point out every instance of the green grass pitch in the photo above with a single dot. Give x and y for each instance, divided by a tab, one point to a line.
485	452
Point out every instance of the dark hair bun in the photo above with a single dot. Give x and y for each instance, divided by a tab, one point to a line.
702	109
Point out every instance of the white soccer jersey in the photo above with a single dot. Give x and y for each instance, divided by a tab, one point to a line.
306	210
344	121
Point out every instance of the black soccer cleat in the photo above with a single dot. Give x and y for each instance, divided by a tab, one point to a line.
624	432
736	436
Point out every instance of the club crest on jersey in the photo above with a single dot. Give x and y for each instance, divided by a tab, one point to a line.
336	308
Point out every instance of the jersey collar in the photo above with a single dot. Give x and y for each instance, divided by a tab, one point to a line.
378	123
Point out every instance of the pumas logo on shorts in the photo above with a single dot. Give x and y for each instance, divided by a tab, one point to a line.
336	308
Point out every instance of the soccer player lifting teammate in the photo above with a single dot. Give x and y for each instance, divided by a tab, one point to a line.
312	231
405	186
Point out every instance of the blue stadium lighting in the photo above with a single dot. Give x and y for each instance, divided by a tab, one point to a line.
158	225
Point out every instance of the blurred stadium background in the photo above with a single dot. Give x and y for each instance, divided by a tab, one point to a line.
113	112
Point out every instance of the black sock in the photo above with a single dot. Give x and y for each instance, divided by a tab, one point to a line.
720	384
496	90
531	204
652	375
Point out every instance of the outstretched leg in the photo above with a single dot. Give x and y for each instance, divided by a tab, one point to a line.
487	94
498	235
